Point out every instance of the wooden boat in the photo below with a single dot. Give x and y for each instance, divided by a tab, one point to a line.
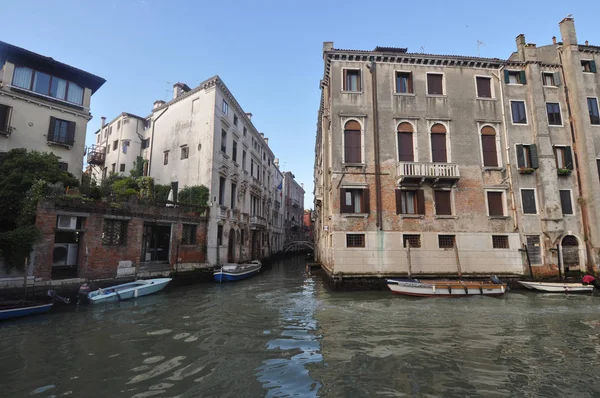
236	272
17	309
128	291
446	288
558	287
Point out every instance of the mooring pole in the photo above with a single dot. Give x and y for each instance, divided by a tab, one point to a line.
457	261
526	250
409	260
559	254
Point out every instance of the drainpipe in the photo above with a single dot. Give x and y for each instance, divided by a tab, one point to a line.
373	68
152	140
584	214
511	191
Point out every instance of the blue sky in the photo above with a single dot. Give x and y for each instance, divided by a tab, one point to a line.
267	52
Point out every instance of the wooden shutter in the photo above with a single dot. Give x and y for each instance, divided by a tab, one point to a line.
523	78
410	83
405	147
490	156
442	203
71	133
506	76
4	117
520	156
420	201
352	143
568	158
593	66
364	203
484	87
528	199
495	207
435	84
533	154
399	197
438	148
343	207
565	202
557	78
51	128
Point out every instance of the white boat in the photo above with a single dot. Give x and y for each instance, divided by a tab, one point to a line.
128	290
236	272
446	288
558	287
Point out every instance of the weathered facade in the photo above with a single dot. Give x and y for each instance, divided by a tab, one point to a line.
293	199
465	160
44	105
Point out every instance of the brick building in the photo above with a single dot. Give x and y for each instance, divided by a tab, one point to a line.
464	159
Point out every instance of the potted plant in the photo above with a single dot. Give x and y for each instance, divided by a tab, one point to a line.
526	170
564	171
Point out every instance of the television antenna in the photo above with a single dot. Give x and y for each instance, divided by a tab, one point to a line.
479	44
168	90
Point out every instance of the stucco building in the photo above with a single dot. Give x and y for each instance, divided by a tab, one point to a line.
465	160
293	199
44	105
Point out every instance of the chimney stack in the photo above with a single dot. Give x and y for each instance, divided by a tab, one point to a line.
179	88
262	135
521	46
249	115
553	39
266	141
587	43
158	103
102	122
567	31
276	162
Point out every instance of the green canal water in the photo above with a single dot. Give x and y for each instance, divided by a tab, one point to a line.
284	333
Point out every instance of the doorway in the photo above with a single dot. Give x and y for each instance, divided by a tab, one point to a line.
570	253
156	242
231	246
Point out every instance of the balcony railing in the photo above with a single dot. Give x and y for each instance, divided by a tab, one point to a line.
96	155
435	171
258	221
244	217
295	203
222	213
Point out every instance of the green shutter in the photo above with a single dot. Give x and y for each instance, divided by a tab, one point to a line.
557	78
520	156
593	66
568	158
506	76
523	78
533	152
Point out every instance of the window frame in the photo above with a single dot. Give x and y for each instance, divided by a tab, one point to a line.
124	225
363	200
501	236
498	142
587	62
444	92
551	74
185	152
503	200
362	140
407	237
410	84
224	107
446	124
512	119
352	234
450	204
418	207
165	158
122	168
492	91
535	199
71	130
48	93
7	129
414	140
571	202
518	73
526	156
559	114
597	110
223	141
454	243
345	77
194	230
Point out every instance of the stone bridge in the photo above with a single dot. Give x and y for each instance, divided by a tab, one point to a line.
297	245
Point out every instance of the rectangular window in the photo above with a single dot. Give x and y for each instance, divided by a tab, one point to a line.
548	79
64	166
500	241
119	125
435	84
518	112
243	160
115	144
404	83
355	240
219	235
352	80
514	77
588	66
565	202
534	248
405	147
527	156
484	87
412	240
528	201
410	202
354	201
439	152
593	109
233	195
188	234
221	191
223	141
443	204
185	152
554	118
146	143
495	203
225	107
5	112
114	232
113	168
61	131
235	120
122	167
564	158
166	157
234	151
446	241
45	84
245	131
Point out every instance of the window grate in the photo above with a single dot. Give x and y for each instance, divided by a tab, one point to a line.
413	240
114	232
188	236
355	240
500	241
446	241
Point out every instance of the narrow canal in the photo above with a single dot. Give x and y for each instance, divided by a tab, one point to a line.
284	333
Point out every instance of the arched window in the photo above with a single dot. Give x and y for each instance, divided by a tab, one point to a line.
438	143
405	142
488	147
352	142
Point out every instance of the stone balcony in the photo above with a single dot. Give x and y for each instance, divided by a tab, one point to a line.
258	221
407	172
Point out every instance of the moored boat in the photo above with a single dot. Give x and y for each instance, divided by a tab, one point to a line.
17	309
446	288
128	291
558	287
236	272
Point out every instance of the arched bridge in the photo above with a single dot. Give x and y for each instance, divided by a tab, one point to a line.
297	245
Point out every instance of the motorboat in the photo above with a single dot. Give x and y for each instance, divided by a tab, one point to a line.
236	272
446	288
558	287
128	291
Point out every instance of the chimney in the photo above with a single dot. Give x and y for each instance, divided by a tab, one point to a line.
249	115
521	46
276	162
158	103
102	122
179	88
553	39
567	31
587	43
327	46
266	141
262	135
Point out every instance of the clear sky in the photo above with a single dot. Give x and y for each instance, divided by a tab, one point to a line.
269	53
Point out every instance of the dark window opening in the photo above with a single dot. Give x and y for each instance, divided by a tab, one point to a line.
588	66
355	240
500	241
592	107
188	235
565	201
528	200
488	147
413	240
410	202
61	131
527	156
114	232
495	204
354	201
443	204
352	80
352	142
484	87
405	142
122	167
435	84
446	241
518	112
554	118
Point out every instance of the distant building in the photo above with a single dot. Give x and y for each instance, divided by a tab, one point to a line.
44	105
293	199
308	224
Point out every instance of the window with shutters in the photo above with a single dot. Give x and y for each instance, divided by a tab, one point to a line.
404	83
409	202
534	248
514	77
114	232
446	241
435	84
413	240
122	167
592	107
5	113
527	157
188	234
61	131
484	86
566	202
354	201
438	144
495	202
588	66
352	142
355	240
488	146
405	142
443	203
564	158
548	79
352	80
528	201
553	110
519	114
500	242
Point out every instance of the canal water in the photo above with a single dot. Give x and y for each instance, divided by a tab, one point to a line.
284	333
